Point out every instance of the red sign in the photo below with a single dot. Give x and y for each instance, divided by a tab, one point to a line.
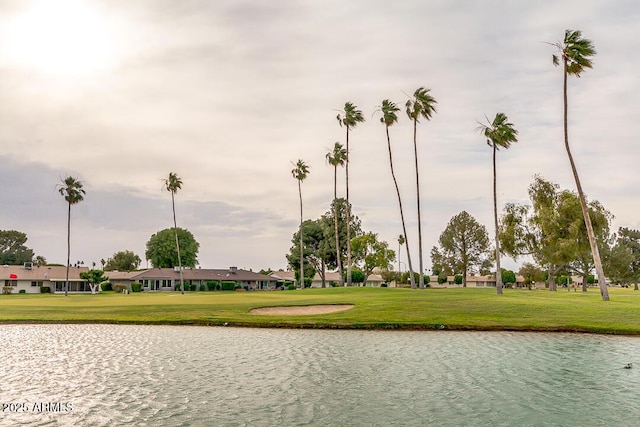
13	276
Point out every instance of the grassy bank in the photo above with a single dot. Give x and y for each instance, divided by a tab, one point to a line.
458	309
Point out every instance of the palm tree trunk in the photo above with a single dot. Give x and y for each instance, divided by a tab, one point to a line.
66	283
175	232
415	153
495	221
404	228
301	284
348	213
602	283
335	222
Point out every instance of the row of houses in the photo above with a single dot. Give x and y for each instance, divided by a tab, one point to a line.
37	279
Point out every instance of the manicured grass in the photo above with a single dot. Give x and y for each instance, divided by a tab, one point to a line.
459	309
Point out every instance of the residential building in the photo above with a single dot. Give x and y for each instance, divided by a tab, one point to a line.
32	279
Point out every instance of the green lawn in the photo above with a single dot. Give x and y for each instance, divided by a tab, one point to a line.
374	308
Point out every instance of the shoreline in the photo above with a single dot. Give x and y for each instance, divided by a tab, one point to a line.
329	326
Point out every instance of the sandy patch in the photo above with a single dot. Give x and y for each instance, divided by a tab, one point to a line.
302	309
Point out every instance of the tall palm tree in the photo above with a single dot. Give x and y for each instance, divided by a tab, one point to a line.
421	105
400	243
300	172
500	134
337	157
173	183
575	54
349	118
73	192
389	117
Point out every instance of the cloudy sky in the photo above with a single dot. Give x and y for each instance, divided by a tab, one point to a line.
228	94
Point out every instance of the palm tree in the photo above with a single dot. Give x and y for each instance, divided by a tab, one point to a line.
421	105
349	118
400	243
73	192
173	184
389	117
337	157
575	52
300	172
500	134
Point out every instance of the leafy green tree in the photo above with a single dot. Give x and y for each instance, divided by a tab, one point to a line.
500	133
328	220
12	248
300	173
389	117
370	253
508	276
349	117
73	192
315	248
464	245
552	230
357	276
576	241
39	261
575	53
337	157
624	261
537	230
123	261
161	249
389	276
531	274
421	105
173	183
94	277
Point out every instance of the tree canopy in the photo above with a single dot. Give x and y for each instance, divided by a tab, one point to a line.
161	249
12	248
464	246
123	261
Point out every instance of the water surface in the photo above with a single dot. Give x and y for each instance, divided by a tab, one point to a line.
200	376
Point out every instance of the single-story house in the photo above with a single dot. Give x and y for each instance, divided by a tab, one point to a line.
374	280
32	278
168	279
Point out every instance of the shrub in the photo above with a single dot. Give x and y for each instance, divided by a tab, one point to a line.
106	286
45	290
119	287
22	291
6	290
211	285
136	287
291	287
333	284
203	287
228	286
384	285
457	279
218	287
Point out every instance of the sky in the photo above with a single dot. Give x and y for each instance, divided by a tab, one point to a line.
229	94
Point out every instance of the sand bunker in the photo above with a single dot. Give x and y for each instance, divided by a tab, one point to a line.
302	309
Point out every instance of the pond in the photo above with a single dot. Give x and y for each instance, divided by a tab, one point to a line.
111	375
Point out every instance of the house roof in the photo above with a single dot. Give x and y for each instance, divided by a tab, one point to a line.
330	276
203	274
121	275
53	273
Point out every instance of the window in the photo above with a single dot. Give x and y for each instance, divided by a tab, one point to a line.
11	283
36	283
